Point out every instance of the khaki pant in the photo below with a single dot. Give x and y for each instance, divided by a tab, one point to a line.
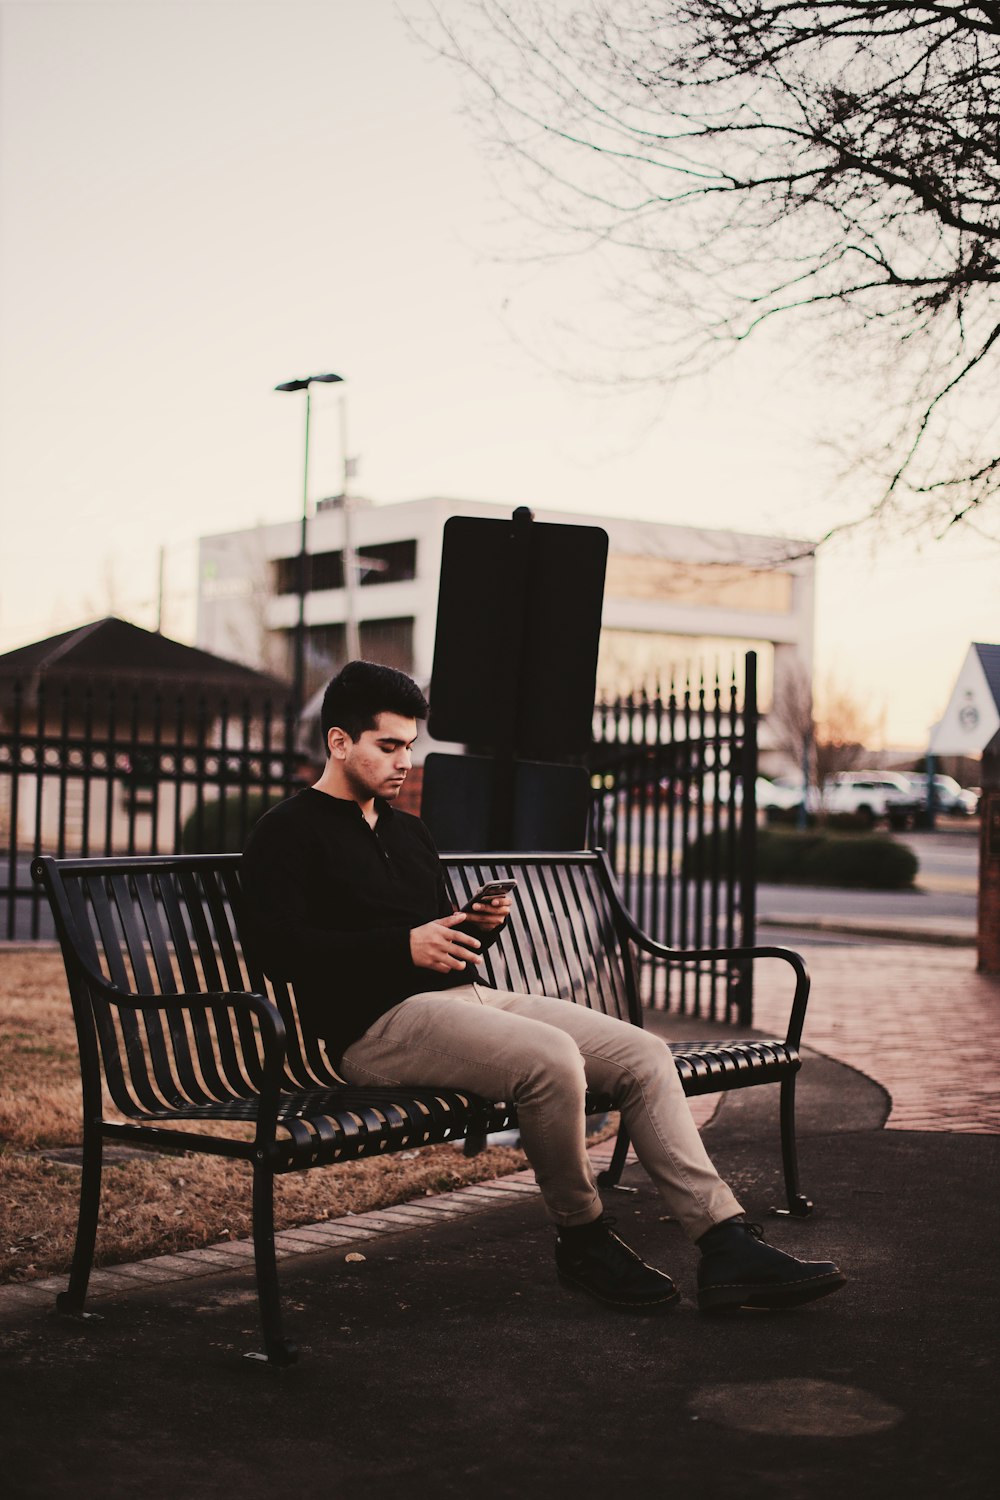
542	1054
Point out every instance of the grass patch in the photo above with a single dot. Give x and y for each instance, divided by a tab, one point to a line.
151	1206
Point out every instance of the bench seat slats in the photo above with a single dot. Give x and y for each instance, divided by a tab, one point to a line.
704	1067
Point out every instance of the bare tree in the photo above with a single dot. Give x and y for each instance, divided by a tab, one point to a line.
821	737
842	730
741	162
790	722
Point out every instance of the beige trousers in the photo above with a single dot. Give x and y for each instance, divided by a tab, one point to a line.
542	1054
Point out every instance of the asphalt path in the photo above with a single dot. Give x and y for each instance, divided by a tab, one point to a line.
945	895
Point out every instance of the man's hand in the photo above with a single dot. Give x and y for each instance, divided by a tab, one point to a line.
437	945
489	915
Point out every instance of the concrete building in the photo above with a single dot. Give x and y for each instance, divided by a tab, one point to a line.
676	596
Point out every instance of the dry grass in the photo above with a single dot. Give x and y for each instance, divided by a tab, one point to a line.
151	1204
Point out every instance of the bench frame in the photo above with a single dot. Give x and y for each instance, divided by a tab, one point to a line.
177	1023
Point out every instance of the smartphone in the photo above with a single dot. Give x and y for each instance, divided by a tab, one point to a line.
489	890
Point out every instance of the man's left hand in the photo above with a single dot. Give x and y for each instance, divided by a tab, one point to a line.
487	916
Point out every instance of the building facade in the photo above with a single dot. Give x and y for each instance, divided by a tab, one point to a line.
676	597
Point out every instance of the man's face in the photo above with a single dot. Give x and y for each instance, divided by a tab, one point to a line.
376	763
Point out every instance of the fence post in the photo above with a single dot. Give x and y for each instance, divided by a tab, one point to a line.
748	843
988	933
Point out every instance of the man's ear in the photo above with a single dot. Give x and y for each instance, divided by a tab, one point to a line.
338	742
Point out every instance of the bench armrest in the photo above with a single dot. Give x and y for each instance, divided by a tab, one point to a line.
735	956
258	1006
272	1025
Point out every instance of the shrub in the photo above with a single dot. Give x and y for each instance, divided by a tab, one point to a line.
223	825
872	862
868	861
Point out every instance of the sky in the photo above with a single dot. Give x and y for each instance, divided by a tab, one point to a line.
201	200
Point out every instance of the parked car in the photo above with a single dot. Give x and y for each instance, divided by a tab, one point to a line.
786	794
767	795
949	797
871	796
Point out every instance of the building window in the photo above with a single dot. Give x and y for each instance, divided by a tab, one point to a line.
388	562
324	570
715	585
387	641
384	562
632	659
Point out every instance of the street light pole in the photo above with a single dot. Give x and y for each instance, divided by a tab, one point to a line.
299	667
352	636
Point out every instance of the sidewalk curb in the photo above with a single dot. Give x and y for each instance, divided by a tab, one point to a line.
948	937
17	1297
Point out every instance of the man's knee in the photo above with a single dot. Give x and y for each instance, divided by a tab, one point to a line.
555	1065
647	1067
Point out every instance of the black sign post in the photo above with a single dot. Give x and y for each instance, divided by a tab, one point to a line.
515	667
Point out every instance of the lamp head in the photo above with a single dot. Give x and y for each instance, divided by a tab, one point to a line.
302	385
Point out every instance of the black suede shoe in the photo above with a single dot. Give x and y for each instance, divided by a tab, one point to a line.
739	1270
593	1260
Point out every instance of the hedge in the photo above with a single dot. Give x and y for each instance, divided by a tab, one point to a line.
223	825
868	861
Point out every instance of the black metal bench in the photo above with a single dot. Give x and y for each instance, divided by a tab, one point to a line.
178	1027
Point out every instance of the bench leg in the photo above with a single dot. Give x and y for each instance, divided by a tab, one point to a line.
611	1176
72	1300
799	1206
277	1349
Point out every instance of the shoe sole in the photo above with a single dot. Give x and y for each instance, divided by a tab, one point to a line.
768	1299
651	1308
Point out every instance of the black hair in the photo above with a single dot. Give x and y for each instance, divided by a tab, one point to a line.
364	689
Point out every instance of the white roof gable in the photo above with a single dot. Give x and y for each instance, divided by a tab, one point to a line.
972	717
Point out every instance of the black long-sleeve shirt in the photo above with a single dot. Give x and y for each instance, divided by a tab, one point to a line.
333	901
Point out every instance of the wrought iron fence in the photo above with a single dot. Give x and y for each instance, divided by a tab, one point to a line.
673	773
128	773
674	776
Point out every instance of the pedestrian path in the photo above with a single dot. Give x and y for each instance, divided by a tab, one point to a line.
918	1020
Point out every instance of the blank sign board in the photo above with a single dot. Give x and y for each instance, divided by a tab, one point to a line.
518	626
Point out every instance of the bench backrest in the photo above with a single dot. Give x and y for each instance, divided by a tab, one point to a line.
163	925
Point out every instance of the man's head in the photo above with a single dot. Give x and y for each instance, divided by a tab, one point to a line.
361	691
369	720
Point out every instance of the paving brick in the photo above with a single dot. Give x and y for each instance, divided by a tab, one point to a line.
216	1257
150	1271
241	1248
178	1264
25	1294
106	1281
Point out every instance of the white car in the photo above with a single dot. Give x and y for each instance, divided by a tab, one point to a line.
949	797
871	796
786	793
767	793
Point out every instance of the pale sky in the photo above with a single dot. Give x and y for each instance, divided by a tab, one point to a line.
200	200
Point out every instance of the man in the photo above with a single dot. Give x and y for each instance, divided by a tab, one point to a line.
349	901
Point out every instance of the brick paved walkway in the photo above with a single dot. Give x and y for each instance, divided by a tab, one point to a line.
918	1020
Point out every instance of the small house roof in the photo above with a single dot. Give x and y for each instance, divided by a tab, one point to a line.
115	652
989	660
972	716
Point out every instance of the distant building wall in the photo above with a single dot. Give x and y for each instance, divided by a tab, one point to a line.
675	595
